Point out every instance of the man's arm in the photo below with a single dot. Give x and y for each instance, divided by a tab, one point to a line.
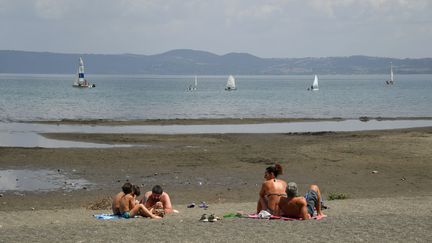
303	210
166	202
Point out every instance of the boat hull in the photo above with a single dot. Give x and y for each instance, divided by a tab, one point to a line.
83	86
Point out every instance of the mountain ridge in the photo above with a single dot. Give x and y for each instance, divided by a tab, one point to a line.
187	62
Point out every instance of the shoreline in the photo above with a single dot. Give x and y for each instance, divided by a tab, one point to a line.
210	121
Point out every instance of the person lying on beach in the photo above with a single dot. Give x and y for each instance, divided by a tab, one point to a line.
294	206
158	200
129	208
116	199
272	189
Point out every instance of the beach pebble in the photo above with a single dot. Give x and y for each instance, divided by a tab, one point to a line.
32	209
1	195
403	179
155	173
374	172
84	187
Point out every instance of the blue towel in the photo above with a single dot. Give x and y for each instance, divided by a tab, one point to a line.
106	216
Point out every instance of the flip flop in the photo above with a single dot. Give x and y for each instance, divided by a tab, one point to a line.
203	205
191	205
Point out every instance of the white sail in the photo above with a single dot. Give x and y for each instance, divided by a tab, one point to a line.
81	82
315	83
391	73
81	71
230	83
391	80
193	86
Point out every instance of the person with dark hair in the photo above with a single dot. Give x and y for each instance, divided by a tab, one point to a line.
158	201
126	189
129	206
272	189
294	206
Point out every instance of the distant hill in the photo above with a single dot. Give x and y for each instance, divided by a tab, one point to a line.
204	63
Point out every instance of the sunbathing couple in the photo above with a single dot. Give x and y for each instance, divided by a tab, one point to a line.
155	203
278	198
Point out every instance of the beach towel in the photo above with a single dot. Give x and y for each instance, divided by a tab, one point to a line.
107	216
257	216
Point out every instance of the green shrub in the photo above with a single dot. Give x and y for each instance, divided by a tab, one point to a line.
337	196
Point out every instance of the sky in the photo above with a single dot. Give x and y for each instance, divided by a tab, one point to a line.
272	28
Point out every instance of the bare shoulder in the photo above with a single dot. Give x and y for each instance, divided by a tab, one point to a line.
301	201
165	196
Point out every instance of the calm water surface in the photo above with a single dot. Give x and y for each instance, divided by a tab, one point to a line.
52	97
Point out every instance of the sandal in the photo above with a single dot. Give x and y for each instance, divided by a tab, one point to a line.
203	205
204	218
212	218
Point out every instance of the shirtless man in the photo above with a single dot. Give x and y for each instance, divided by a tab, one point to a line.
129	208
294	206
272	189
157	199
116	199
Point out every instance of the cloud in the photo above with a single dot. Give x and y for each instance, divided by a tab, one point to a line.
265	28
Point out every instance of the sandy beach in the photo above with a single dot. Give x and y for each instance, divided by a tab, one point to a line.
385	174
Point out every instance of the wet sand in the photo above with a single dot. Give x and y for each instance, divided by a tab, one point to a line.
226	171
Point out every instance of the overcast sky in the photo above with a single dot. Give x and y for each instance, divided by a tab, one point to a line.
273	28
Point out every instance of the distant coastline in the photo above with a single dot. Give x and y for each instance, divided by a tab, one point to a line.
193	62
211	121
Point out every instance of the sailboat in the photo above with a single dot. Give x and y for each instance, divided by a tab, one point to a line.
193	87
391	81
230	85
314	86
81	82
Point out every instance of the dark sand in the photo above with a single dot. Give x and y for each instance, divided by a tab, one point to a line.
226	171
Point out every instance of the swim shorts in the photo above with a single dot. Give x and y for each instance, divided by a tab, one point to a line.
311	200
125	215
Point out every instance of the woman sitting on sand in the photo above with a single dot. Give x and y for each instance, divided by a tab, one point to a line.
272	189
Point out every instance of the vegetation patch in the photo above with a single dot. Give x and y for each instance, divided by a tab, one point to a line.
337	196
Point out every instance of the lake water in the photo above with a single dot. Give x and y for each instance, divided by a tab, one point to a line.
52	97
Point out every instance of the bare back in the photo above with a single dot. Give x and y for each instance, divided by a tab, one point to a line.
293	207
116	203
271	192
127	202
